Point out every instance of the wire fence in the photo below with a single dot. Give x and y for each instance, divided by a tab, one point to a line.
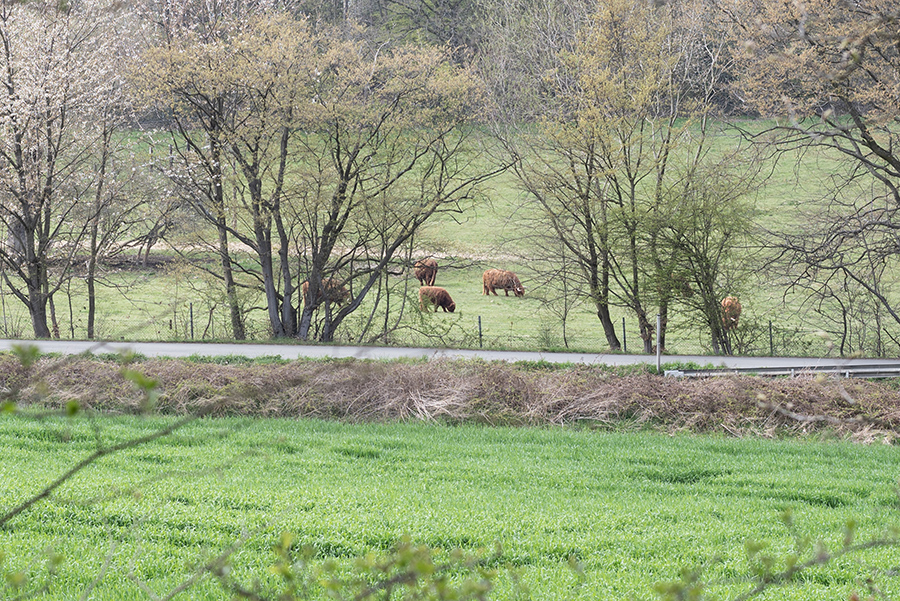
208	321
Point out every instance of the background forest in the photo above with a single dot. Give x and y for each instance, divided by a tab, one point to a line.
182	169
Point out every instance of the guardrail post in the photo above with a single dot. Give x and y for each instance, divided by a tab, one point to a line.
771	341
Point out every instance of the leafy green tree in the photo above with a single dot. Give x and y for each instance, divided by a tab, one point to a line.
704	233
320	153
632	102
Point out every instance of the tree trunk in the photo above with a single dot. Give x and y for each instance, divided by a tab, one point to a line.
305	322
609	328
646	328
218	199
37	309
328	326
234	309
54	323
264	250
92	302
601	297
36	284
92	269
288	313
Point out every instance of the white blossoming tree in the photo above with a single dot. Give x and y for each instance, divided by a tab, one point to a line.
57	64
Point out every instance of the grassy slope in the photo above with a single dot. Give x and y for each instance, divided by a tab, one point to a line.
633	508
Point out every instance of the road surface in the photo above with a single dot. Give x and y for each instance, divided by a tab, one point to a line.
297	351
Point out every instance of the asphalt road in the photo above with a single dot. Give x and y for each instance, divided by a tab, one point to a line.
296	351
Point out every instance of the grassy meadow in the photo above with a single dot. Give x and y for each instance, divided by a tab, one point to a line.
172	301
631	509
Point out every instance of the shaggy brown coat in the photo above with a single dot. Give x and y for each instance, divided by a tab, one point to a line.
731	310
426	271
436	296
331	288
504	280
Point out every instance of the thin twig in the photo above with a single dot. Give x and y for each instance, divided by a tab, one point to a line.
95	456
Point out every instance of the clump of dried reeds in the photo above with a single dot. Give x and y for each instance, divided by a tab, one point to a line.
493	393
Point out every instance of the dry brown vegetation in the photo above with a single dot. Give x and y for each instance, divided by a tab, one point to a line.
491	393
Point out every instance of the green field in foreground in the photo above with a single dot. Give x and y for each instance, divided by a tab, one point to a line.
633	508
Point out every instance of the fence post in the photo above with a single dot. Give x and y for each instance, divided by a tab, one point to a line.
771	341
479	332
3	300
624	337
192	320
658	346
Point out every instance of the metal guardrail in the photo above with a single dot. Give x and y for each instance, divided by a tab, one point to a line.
868	371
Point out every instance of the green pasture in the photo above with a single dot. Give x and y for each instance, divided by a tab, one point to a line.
632	509
174	302
167	304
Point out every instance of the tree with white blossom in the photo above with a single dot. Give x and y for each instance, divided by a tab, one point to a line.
58	68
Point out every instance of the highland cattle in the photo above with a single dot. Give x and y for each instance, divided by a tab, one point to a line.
507	281
731	310
331	291
425	271
437	297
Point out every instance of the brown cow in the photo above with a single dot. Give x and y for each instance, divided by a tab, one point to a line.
731	310
426	271
437	296
505	280
331	290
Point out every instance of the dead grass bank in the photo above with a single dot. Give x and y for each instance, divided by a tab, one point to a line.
491	393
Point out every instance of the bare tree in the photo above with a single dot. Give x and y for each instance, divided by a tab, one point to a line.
321	153
195	73
828	72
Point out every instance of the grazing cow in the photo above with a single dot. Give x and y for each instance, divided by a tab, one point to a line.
731	310
426	271
330	291
437	296
505	280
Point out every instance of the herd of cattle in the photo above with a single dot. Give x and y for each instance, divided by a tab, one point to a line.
492	280
430	295
426	272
